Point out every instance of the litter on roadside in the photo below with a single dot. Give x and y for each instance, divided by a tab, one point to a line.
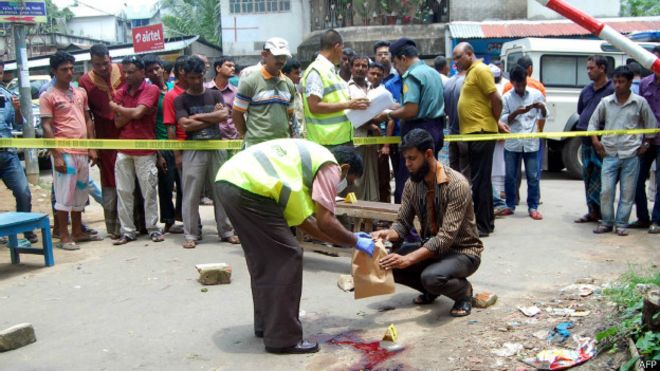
567	312
530	311
560	332
561	359
578	290
508	349
345	282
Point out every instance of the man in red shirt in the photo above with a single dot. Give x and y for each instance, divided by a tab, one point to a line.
135	106
100	84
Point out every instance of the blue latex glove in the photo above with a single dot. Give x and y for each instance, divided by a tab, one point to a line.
362	235
366	245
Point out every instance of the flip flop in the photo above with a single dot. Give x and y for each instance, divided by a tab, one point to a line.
586	218
189	244
123	240
70	246
89	238
462	307
424	299
156	237
231	239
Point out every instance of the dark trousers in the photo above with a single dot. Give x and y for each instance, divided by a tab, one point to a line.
458	158
481	167
384	191
274	260
641	203
13	176
169	211
444	276
394	159
434	127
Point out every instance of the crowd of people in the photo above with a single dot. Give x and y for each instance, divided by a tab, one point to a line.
298	155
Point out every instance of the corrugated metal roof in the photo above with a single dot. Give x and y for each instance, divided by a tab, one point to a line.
519	29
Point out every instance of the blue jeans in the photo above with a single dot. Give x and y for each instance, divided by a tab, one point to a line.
625	172
13	176
512	168
641	202
497	200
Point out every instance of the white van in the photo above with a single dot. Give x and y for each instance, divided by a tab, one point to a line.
560	64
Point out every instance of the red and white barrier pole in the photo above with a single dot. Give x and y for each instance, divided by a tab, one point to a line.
605	32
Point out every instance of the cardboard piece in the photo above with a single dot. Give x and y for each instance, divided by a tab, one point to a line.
368	276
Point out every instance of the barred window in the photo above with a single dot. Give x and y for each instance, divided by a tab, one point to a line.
259	6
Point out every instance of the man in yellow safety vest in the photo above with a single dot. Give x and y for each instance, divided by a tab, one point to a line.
267	189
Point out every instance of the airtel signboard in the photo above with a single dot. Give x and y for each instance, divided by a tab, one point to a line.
148	38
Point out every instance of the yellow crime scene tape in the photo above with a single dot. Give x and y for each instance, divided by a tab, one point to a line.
201	145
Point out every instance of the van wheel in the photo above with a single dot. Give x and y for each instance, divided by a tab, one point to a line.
571	157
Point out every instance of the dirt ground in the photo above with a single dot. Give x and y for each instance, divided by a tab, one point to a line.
139	306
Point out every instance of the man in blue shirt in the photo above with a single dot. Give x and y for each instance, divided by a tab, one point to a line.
590	96
11	171
393	83
422	101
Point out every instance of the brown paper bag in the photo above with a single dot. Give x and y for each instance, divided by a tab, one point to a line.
368	276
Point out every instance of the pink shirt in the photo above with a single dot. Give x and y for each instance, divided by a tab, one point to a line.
324	188
67	111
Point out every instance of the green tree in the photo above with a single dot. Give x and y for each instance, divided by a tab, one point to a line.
193	17
56	19
638	8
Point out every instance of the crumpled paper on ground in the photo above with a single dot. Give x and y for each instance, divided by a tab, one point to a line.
562	359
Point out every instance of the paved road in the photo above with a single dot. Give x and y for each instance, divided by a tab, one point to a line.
139	307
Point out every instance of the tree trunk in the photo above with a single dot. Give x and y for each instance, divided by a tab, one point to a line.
651	309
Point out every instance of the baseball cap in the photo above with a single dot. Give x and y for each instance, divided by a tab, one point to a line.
397	46
277	46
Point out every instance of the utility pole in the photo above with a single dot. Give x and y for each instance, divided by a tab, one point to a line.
25	93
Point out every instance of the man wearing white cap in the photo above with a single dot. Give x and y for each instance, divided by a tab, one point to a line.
264	101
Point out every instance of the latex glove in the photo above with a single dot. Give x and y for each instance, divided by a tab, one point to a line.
366	245
362	235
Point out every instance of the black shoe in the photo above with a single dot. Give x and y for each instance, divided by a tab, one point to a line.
302	347
483	234
258	333
639	224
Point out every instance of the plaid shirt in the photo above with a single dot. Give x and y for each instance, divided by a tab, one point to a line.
454	214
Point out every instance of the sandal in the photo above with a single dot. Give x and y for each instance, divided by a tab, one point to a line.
173	228
621	232
32	238
189	244
231	239
89	238
586	218
70	246
603	229
156	237
424	299
462	307
123	240
113	236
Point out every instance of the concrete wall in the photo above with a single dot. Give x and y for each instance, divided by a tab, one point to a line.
259	27
596	8
478	11
101	28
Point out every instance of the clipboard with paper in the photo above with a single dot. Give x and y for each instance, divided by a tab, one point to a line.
379	100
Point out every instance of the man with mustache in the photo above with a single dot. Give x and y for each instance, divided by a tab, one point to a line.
264	101
450	250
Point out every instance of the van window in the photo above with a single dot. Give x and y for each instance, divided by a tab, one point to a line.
567	71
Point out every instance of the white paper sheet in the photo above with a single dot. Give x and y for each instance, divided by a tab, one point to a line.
379	100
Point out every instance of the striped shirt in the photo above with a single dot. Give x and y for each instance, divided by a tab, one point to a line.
267	102
451	228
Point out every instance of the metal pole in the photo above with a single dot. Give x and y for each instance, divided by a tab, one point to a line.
30	155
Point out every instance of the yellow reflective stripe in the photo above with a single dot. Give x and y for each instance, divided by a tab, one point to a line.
285	191
326	121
